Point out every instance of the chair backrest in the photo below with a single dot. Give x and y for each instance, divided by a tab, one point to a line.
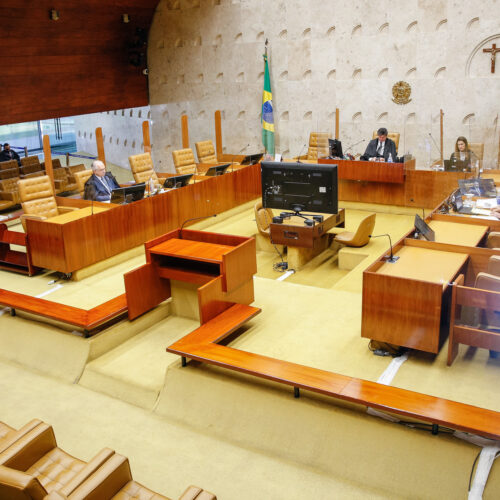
37	196
61	174
393	136
184	161
477	148
7	165
365	229
263	218
206	152
81	178
494	265
56	163
318	145
31	160
16	485
485	281
142	168
9	173
10	186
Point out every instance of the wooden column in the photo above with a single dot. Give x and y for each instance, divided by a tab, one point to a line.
218	135
100	145
337	129
48	160
441	114
185	131
146	138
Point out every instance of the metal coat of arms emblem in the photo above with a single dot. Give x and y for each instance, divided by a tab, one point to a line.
401	92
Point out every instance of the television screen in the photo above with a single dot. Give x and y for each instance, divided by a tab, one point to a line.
299	186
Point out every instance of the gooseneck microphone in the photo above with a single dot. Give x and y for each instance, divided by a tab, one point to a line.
392	258
301	151
192	219
355	144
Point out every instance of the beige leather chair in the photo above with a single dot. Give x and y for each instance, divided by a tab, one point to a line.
206	152
9	169
494	265
56	163
393	136
60	180
142	168
30	160
9	436
80	179
493	240
478	149
184	161
113	480
318	146
38	200
362	235
263	218
9	189
34	465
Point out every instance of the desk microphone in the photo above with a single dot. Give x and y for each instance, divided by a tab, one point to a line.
234	156
392	258
194	218
436	144
301	151
352	145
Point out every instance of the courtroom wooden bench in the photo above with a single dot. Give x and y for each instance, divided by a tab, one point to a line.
88	320
201	345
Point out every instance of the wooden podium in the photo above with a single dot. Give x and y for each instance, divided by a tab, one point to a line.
223	265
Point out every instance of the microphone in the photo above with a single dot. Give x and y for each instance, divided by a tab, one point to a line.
392	258
352	145
192	219
234	156
301	151
435	144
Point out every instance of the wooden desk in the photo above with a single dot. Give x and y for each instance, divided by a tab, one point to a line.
223	266
77	214
458	234
406	303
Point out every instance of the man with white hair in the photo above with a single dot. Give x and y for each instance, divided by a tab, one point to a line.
100	184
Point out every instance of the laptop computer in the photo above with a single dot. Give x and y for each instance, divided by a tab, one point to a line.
456	166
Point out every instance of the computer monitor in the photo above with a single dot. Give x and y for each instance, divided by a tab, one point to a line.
217	170
423	228
335	148
252	159
177	181
128	194
299	186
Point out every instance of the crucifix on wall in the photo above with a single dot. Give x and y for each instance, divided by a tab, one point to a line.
493	51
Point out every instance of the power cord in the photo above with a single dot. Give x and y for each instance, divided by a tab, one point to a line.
474	466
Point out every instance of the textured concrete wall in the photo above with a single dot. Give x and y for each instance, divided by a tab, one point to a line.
121	129
207	54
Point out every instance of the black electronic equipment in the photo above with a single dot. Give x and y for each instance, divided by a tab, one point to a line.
456	166
335	148
177	181
217	170
484	188
128	194
299	186
423	228
252	159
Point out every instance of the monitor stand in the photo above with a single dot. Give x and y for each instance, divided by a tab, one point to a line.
309	219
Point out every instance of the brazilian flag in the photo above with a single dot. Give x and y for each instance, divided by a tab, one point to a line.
267	112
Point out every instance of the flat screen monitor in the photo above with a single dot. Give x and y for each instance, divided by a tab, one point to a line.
423	228
299	186
478	187
252	159
177	181
217	170
128	194
335	148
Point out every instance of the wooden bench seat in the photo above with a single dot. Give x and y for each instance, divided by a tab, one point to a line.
201	345
88	320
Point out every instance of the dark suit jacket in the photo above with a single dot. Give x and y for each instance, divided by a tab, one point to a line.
95	190
9	155
389	148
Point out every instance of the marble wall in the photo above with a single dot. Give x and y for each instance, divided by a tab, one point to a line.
206	55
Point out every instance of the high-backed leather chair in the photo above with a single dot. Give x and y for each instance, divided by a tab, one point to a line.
184	161
9	435
113	480
393	136
206	152
478	149
362	235
318	146
142	168
493	240
56	163
60	180
35	465
10	187
81	178
38	199
9	169
263	218
30	164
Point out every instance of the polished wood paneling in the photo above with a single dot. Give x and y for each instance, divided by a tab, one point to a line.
76	65
358	170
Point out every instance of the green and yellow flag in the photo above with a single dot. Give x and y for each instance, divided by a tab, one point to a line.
267	112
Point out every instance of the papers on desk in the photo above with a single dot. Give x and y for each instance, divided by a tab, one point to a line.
486	203
481	211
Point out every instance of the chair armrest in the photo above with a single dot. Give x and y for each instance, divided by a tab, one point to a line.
91	467
15	483
493	240
196	493
65	210
13	436
6	195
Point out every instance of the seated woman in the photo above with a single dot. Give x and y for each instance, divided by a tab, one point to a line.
463	154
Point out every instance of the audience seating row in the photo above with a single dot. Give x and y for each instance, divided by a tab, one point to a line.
33	467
